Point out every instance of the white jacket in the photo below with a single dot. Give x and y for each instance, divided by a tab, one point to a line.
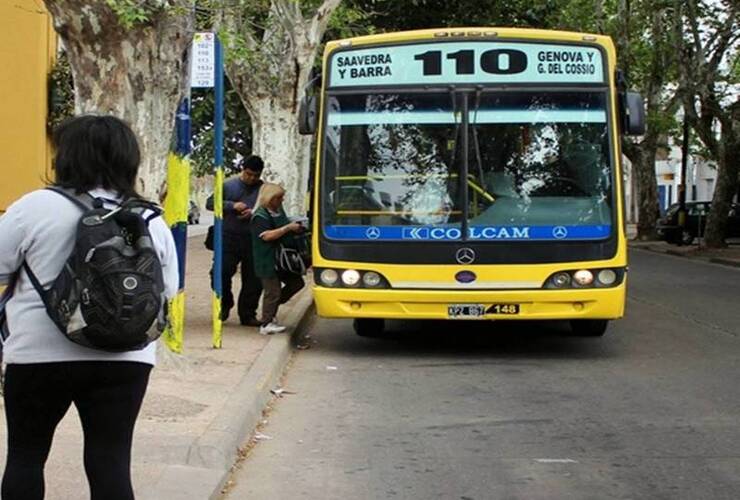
40	229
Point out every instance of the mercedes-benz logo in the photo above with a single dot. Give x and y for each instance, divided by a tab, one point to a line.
465	256
559	232
372	233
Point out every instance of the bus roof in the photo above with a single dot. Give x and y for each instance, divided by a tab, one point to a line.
475	34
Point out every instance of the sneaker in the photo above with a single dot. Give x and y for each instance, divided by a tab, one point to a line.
271	328
251	322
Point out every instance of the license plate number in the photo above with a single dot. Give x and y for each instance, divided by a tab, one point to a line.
462	311
504	309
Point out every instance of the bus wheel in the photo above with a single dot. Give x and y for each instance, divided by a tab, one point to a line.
369	327
589	327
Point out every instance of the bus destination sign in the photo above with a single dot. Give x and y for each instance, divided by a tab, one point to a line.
467	63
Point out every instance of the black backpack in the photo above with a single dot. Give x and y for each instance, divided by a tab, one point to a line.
110	294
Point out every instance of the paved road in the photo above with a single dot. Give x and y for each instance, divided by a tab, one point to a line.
495	411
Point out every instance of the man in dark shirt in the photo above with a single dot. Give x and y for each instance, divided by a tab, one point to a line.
240	196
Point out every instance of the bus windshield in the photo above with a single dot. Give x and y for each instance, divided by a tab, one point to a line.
538	166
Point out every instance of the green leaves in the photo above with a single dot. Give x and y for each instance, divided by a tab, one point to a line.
392	15
134	12
237	130
61	92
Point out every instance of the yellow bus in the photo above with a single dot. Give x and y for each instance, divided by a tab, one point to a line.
470	173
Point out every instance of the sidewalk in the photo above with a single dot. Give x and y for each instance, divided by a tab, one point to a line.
200	407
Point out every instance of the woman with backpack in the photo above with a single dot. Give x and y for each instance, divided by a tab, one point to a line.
271	228
101	366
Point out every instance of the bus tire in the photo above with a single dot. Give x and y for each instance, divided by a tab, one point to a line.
589	327
369	327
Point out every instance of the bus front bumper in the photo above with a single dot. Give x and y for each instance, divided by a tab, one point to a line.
593	303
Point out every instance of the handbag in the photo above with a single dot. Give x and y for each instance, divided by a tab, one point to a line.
289	260
294	258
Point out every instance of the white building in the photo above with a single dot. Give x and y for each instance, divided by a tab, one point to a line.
701	179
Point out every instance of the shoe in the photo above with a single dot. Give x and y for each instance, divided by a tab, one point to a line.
251	322
271	328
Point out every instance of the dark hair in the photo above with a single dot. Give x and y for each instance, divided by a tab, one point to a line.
253	163
96	151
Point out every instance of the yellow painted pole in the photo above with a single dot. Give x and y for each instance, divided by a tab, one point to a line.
176	207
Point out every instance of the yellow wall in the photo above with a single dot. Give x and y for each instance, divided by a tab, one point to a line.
27	50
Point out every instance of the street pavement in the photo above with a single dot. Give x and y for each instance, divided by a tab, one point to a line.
475	411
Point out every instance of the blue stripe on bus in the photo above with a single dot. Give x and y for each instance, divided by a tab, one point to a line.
476	233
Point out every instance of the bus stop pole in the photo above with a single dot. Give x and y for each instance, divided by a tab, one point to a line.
176	205
218	205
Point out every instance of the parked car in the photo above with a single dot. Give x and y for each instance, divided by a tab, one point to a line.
696	220
193	213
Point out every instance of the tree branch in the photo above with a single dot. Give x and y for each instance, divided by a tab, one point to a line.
232	20
320	20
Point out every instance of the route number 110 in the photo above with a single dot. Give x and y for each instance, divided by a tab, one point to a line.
496	61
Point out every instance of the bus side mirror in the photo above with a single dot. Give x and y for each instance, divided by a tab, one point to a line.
308	115
633	114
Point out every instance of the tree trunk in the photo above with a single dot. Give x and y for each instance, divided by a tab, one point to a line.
269	74
643	168
726	188
707	45
642	154
137	74
286	153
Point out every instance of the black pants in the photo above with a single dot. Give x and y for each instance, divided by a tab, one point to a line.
238	250
108	397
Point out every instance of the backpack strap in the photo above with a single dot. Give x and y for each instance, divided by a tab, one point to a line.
35	282
141	207
77	200
43	294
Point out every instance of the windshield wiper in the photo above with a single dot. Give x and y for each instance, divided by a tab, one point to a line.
478	184
455	137
474	127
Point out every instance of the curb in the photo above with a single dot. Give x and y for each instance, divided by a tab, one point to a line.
213	454
677	253
725	262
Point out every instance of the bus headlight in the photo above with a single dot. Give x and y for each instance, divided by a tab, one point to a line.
561	280
583	277
607	277
329	277
371	279
350	277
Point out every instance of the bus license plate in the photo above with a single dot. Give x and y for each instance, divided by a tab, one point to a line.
503	309
466	311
